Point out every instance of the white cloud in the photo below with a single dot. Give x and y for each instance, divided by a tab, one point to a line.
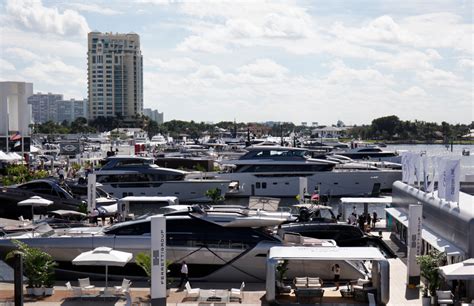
414	91
342	74
208	72
44	44
173	64
263	68
200	44
6	65
224	25
94	8
410	60
22	54
466	63
156	2
33	16
440	30
439	77
55	72
380	30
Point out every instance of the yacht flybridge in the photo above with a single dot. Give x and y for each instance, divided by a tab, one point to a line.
285	172
125	176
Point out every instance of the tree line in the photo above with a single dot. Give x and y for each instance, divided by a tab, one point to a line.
389	128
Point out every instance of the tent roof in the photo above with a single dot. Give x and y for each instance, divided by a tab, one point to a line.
459	271
326	253
375	200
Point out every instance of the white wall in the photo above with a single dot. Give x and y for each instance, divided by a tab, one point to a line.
15	112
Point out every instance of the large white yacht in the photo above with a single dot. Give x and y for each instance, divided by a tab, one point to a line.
125	176
372	153
213	251
158	140
278	172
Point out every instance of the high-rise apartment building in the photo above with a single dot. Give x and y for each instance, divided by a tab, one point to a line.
44	107
53	107
70	110
154	115
115	75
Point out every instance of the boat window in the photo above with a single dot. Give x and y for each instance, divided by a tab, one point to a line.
133	162
370	150
287	168
264	185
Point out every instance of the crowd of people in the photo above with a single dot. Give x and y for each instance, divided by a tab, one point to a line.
364	221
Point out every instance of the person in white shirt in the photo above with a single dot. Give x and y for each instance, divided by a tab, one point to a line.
184	274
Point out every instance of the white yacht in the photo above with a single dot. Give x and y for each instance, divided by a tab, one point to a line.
278	172
125	176
213	252
372	153
158	140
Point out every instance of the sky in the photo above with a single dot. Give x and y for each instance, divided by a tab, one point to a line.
313	61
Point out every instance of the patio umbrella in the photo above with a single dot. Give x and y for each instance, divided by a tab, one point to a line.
35	201
103	256
459	271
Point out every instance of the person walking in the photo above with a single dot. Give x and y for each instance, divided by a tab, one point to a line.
184	274
337	274
369	221
374	219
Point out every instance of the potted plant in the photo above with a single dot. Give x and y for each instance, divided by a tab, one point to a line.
429	265
36	264
143	260
49	278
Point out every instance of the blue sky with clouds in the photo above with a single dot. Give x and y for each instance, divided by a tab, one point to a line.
260	60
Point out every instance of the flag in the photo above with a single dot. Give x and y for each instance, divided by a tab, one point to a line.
315	197
17	144
16	136
452	170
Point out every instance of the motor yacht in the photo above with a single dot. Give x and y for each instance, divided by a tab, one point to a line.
372	153
286	172
158	140
123	176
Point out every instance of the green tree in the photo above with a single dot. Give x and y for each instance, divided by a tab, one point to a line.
386	126
214	195
429	266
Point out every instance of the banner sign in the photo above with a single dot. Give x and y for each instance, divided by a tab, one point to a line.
158	260
91	192
414	244
69	148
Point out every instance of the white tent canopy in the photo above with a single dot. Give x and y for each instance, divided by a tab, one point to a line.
459	271
103	256
4	156
35	201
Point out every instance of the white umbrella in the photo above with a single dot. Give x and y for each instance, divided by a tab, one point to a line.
459	271
103	256
35	201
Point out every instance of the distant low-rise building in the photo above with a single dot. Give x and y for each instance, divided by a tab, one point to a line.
154	115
